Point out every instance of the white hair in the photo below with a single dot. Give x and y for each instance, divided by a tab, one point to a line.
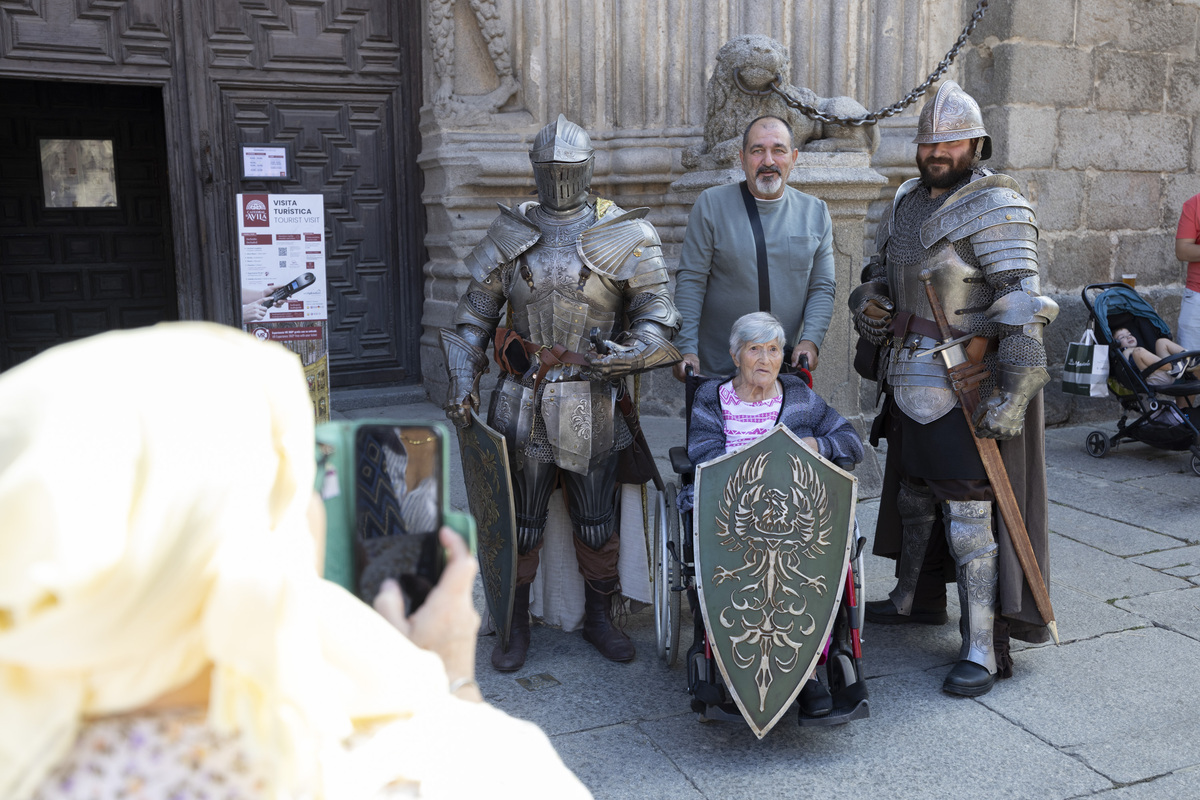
758	326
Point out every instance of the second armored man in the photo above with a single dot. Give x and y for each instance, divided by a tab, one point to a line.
588	299
976	235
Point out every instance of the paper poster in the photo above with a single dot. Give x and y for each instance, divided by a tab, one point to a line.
262	161
281	249
281	256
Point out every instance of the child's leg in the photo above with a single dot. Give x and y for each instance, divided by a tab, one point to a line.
1141	357
1166	348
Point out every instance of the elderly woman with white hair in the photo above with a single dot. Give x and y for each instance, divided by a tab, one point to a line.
729	414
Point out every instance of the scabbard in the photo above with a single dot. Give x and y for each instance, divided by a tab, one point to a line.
625	403
965	381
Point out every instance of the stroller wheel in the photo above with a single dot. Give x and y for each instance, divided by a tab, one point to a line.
1096	444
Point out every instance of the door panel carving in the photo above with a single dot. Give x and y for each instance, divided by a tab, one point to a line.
339	147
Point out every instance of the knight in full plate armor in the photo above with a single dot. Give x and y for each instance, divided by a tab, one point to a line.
977	236
588	305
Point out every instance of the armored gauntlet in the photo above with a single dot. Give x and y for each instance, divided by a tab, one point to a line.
638	350
1002	416
465	362
872	312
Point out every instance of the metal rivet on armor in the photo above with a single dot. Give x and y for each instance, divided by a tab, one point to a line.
1008	216
637	252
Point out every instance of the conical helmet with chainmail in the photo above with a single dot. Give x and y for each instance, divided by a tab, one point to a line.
952	115
562	164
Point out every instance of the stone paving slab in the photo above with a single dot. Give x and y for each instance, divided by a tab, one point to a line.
1182	483
1182	562
591	691
1135	715
1175	611
1129	460
1082	616
1104	576
1176	786
1111	536
917	744
623	763
1171	514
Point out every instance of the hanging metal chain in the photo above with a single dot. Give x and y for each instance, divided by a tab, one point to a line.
883	113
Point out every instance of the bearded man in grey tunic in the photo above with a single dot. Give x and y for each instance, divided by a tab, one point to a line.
976	235
588	304
718	277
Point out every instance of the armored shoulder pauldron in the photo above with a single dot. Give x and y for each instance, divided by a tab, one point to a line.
607	246
985	203
509	235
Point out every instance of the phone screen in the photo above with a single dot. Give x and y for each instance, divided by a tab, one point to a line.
398	502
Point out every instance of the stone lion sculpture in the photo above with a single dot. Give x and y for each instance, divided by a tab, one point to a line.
729	110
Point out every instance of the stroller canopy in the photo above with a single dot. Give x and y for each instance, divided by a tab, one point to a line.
1125	299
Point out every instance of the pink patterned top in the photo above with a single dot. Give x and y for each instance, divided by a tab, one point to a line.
746	422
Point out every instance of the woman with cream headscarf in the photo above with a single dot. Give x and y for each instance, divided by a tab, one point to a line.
163	630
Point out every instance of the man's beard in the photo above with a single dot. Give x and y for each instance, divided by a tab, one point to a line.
768	181
948	173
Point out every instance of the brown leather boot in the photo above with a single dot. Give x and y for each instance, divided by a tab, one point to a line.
513	658
598	629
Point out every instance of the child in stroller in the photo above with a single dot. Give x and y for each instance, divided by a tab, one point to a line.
1164	373
1137	375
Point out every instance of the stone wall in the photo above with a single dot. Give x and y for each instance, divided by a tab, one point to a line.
1092	106
634	75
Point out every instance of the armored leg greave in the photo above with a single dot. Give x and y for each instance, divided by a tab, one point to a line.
917	513
533	484
592	502
969	533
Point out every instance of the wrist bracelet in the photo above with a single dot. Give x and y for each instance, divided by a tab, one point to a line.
462	683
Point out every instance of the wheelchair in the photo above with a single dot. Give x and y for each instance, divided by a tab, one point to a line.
674	576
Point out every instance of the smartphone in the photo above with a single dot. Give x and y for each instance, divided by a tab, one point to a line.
384	484
288	289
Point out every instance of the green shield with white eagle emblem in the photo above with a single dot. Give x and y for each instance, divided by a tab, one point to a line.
773	529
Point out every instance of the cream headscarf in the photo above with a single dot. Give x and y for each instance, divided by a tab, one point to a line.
153	496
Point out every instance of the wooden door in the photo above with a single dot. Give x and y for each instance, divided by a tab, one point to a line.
66	273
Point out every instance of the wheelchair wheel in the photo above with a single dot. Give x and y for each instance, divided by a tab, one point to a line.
667	572
1096	444
1196	464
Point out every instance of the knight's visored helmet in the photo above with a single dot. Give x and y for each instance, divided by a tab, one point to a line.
562	164
952	115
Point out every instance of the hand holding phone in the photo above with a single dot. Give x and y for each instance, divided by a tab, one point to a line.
288	289
384	488
447	623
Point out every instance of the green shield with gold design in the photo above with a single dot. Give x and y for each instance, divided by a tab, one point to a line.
489	493
773	528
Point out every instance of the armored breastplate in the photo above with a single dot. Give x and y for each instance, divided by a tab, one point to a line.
920	384
556	299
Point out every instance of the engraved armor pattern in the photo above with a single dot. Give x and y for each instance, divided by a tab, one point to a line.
992	259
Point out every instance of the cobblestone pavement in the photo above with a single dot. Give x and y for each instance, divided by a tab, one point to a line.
1112	713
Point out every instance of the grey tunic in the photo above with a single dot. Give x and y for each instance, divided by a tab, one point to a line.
717	280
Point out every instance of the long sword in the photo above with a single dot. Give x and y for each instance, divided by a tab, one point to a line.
956	364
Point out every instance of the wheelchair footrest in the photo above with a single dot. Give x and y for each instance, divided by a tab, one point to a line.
848	705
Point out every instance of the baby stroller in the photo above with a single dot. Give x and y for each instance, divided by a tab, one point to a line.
675	574
1159	421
